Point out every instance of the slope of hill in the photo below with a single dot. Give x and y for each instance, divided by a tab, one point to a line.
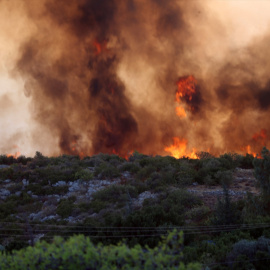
109	198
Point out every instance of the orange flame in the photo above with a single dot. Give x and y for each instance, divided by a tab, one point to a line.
179	149
180	111
259	140
186	88
249	151
16	155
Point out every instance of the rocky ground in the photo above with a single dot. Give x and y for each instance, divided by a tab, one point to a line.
243	182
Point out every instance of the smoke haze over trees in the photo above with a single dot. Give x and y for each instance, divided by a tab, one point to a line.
101	76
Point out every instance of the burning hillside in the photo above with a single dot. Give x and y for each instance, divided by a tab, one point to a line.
117	76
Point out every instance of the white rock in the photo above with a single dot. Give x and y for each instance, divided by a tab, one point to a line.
25	182
4	193
36	216
75	186
4	166
60	184
145	195
49	218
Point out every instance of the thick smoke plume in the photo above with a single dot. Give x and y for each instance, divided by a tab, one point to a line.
102	76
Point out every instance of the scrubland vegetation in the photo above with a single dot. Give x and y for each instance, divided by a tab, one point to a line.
112	213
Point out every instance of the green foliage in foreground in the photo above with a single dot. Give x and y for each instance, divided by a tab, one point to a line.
79	252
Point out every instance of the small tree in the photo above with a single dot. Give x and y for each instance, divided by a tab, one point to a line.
226	212
262	174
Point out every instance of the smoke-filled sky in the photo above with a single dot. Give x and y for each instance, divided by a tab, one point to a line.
114	76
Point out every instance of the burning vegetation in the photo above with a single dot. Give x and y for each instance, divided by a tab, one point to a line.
101	76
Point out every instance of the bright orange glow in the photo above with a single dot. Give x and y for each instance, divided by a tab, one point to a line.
179	149
16	155
180	111
125	156
186	88
249	151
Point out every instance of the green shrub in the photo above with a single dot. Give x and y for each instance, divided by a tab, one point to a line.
78	252
155	180
52	174
6	173
41	190
214	172
246	162
148	216
39	161
253	208
32	207
186	174
23	160
168	208
228	161
250	253
65	207
84	174
8	207
136	156
262	173
106	170
115	194
145	172
7	160
109	157
130	167
204	155
210	180
198	213
98	205
138	185
224	177
85	206
15	187
183	197
226	212
25	198
207	170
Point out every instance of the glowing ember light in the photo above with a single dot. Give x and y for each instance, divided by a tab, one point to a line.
179	149
249	151
16	155
260	136
99	47
125	156
186	88
259	140
180	111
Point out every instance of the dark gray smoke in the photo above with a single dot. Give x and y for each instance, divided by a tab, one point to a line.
102	77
